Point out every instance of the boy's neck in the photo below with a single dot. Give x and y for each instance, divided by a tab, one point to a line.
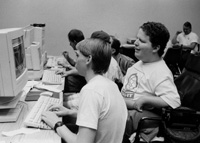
89	75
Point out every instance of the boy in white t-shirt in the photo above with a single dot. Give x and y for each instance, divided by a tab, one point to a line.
102	112
149	84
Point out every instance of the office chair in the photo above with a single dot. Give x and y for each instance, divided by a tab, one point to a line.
172	59
181	125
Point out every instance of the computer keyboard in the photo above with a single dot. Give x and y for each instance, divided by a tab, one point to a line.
51	62
50	77
34	117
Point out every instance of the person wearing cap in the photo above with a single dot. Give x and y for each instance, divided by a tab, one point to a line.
101	35
114	72
149	84
102	112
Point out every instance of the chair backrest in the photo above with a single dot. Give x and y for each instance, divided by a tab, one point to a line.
188	83
173	55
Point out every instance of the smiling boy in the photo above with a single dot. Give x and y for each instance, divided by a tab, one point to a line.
149	84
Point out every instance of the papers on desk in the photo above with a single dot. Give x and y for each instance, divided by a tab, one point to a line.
53	88
40	85
20	131
29	86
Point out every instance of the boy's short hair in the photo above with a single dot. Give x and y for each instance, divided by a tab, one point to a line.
158	35
75	35
188	24
115	44
100	52
101	35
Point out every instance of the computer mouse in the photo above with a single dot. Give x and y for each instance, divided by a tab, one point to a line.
46	93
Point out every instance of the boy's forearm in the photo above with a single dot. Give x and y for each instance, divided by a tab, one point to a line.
73	113
71	61
66	134
129	103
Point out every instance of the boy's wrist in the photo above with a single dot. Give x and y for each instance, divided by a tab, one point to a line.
58	124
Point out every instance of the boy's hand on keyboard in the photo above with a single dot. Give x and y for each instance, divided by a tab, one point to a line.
67	73
70	71
68	67
62	73
63	64
50	118
59	110
59	72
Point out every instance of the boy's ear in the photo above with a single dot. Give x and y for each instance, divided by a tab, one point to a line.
89	59
155	49
113	50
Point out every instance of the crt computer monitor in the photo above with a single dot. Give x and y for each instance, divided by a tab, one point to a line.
13	71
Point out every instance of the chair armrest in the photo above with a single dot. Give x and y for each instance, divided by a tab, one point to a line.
180	109
181	117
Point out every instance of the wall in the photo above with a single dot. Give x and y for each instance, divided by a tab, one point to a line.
117	17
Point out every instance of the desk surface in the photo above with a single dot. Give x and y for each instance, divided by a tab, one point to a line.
43	136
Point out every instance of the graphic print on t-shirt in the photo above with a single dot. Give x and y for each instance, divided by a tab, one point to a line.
130	86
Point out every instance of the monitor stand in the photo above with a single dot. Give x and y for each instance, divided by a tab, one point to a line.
10	110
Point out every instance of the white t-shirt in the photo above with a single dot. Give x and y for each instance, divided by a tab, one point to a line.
114	71
188	39
151	79
102	108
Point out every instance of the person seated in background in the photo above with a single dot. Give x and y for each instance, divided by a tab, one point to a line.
187	40
102	112
124	61
73	81
149	84
74	36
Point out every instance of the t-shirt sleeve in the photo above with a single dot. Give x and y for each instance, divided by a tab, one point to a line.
168	92
89	109
194	38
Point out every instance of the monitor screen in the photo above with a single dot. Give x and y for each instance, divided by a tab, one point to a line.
19	55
